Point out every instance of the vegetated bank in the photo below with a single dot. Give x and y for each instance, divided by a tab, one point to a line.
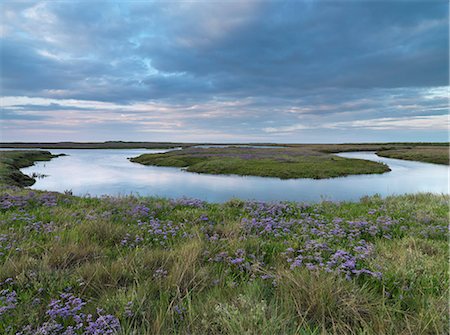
268	162
12	161
139	265
428	154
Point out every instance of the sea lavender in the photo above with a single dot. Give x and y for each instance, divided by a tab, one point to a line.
65	316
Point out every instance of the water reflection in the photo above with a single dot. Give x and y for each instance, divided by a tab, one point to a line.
104	171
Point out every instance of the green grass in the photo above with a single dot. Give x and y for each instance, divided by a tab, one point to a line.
283	163
60	243
429	154
12	161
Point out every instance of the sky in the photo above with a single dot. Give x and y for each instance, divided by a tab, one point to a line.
225	71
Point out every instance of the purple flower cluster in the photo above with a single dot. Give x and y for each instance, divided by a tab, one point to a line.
47	199
22	217
160	273
65	316
435	232
204	218
129	313
188	202
8	298
140	211
259	209
40	227
317	242
8	243
240	262
267	226
271	219
67	306
179	311
154	232
212	237
319	256
8	201
29	224
11	239
131	241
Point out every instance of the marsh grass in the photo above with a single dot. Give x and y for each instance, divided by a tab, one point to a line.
284	163
429	154
12	161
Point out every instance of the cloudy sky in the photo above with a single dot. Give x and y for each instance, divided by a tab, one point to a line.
224	71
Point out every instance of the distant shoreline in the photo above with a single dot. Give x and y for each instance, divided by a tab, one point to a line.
334	147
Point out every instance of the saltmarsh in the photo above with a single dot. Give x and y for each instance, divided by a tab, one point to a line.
283	163
429	154
130	265
12	161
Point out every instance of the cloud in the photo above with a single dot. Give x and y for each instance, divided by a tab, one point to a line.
244	69
437	122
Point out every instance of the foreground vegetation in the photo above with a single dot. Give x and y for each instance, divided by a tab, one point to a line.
146	266
136	265
12	161
268	162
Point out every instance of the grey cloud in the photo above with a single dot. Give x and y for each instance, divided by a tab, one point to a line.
311	60
273	47
9	115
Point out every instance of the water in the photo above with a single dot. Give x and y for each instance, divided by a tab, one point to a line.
103	171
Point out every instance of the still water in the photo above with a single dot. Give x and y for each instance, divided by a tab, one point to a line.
102	171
